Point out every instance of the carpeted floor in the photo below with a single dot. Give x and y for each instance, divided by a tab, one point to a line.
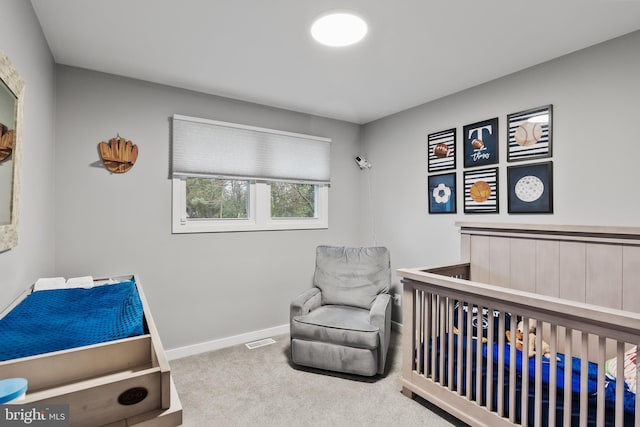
260	387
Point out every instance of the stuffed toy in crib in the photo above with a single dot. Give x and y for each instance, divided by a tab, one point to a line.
546	350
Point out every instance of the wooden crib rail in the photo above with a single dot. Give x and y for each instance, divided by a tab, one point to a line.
458	271
604	320
435	301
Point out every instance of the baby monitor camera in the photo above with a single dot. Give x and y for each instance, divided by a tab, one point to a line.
362	162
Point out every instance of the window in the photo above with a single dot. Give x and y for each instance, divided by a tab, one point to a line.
209	198
229	177
290	200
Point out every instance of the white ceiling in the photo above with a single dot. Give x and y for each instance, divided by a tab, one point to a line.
261	51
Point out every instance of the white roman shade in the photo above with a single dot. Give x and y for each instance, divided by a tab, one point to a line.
211	148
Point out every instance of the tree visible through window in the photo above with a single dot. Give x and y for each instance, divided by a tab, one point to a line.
291	200
216	198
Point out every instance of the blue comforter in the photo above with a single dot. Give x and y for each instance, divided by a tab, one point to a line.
61	319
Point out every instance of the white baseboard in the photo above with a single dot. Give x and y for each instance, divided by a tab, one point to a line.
395	326
190	350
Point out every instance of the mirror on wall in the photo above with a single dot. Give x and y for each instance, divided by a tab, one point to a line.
11	110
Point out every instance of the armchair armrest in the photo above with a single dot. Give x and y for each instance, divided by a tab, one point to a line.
378	313
380	317
305	302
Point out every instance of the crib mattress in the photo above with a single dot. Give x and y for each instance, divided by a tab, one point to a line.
53	320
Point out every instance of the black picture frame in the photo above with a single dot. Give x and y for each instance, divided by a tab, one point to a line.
530	134
481	191
442	193
441	148
480	142
530	188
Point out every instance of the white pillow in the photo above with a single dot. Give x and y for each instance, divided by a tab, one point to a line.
80	282
46	283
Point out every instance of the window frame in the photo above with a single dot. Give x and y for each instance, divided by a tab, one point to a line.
258	212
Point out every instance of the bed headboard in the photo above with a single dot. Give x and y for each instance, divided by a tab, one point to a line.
593	264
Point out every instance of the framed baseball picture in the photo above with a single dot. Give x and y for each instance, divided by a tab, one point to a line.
480	143
442	193
442	150
529	134
530	188
481	191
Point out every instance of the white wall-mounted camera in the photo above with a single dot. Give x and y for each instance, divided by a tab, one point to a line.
362	162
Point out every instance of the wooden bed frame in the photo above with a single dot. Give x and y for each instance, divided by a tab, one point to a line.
101	383
580	283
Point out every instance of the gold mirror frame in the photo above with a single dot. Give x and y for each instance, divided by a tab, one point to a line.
11	79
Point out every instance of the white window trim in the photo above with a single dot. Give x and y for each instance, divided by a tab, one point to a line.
259	213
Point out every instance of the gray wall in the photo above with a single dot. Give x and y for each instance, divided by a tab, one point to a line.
230	283
596	105
201	286
21	39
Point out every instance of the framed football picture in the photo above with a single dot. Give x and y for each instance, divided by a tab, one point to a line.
442	150
480	143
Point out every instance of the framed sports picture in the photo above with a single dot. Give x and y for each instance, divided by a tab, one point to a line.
442	150
480	143
442	193
481	191
530	188
530	134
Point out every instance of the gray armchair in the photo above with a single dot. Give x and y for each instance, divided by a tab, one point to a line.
343	323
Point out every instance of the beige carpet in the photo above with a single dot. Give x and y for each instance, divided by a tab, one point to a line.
260	387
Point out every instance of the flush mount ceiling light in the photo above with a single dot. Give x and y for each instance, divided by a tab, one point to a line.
339	29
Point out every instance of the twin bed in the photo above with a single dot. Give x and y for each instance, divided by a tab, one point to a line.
94	348
574	294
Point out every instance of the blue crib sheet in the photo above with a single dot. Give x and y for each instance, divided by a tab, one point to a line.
53	320
592	375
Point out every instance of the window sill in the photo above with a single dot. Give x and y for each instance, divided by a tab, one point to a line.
224	226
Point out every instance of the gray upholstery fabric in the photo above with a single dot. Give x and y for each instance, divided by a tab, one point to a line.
359	361
337	324
352	276
304	303
380	317
343	323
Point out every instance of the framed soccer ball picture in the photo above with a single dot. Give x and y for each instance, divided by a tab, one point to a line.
442	193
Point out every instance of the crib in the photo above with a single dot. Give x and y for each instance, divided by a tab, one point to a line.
122	382
573	292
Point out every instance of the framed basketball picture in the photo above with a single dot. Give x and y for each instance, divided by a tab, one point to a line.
530	188
480	142
442	193
530	134
481	191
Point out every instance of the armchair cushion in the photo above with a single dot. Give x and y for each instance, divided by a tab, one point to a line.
337	324
352	276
